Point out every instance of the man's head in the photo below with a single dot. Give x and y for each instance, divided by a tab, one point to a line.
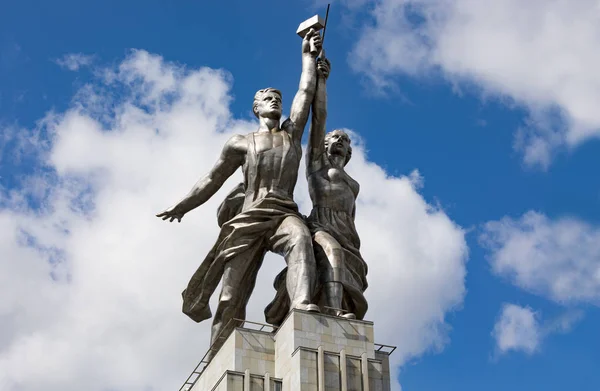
267	103
337	143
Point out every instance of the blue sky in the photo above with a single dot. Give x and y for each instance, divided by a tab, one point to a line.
437	107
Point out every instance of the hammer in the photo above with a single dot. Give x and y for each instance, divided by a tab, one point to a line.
316	23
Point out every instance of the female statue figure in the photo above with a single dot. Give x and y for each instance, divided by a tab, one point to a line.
333	192
340	267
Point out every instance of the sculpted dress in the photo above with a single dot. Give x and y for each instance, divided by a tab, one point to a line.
348	268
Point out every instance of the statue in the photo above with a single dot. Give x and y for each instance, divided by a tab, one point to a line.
341	268
269	218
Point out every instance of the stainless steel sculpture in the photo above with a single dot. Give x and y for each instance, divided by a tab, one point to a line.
333	192
269	218
341	269
324	264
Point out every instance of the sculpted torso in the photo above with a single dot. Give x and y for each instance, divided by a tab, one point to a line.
333	188
276	162
266	141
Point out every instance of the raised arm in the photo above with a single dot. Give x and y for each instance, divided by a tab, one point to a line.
231	158
308	80
316	135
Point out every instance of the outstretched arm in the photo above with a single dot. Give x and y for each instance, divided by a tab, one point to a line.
308	80
231	158
316	135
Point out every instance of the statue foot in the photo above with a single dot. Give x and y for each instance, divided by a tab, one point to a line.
308	307
349	315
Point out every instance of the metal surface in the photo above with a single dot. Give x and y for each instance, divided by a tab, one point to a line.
322	252
333	193
269	159
316	23
325	24
342	270
387	349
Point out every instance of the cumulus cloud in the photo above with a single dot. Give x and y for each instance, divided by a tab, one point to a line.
558	259
522	329
517	329
74	61
542	55
91	281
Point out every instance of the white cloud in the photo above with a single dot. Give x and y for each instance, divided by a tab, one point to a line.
517	329
558	259
521	329
539	54
91	280
74	61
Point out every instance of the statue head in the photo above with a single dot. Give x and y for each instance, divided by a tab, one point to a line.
267	103
337	143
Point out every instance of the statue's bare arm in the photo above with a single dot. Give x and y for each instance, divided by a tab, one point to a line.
232	157
306	90
316	135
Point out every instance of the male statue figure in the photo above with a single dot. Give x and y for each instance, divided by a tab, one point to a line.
269	219
341	268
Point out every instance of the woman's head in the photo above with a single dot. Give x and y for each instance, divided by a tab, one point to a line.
337	143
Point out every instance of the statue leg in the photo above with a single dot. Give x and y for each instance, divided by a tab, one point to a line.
330	258
239	278
293	241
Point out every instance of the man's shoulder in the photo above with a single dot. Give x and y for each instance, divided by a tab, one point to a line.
237	142
238	138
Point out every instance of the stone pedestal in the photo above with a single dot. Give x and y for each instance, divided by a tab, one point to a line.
309	351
